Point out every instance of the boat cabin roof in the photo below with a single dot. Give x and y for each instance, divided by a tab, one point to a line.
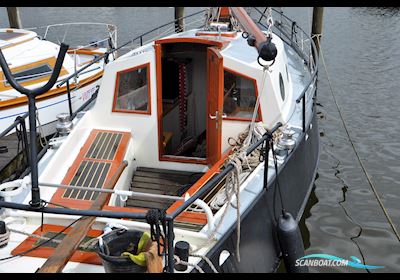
10	36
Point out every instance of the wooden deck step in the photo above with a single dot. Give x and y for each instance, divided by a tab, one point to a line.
159	181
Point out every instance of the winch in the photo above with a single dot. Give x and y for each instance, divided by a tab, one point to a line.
64	124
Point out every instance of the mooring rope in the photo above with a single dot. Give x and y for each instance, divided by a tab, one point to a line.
354	148
179	261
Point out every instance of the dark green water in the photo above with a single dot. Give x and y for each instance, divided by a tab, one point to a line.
362	54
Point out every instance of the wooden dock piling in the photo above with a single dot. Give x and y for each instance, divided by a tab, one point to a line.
316	31
179	25
13	17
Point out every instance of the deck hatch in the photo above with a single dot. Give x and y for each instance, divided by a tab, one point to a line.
98	159
89	174
104	146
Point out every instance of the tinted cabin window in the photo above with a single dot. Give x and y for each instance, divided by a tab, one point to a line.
239	96
30	74
132	91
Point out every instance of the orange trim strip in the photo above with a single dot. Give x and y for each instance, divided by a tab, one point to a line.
205	41
23	100
148	112
46	252
84	51
223	34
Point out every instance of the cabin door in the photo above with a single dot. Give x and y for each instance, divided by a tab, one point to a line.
215	88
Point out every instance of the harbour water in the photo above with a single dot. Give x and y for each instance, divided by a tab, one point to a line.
360	47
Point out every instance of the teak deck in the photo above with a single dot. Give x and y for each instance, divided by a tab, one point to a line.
159	181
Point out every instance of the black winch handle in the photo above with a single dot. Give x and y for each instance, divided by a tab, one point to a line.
38	91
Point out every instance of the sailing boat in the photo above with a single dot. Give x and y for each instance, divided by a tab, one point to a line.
198	140
32	59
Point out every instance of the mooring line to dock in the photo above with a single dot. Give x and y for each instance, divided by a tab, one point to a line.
355	150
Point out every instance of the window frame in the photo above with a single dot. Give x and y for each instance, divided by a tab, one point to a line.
116	87
256	93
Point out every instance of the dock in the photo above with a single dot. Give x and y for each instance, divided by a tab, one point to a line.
12	158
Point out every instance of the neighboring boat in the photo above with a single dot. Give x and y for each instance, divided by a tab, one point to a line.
32	58
202	137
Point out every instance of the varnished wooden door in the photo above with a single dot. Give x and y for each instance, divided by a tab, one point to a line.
215	90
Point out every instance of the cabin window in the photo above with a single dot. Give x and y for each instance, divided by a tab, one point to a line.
43	70
240	95
282	87
132	92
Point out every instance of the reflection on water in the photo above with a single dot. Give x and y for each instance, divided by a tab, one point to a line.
361	49
362	56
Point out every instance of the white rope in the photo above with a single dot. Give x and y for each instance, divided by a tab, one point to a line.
207	260
179	261
270	21
42	136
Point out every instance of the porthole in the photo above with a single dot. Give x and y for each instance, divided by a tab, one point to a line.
282	87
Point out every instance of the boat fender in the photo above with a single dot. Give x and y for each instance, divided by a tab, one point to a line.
291	243
182	251
267	50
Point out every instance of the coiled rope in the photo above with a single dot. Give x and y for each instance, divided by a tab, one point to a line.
353	146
